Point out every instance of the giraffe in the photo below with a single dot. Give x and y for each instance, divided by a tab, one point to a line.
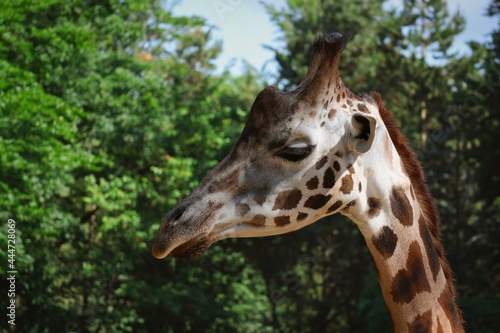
320	150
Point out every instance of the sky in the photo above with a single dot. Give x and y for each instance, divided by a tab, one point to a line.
244	27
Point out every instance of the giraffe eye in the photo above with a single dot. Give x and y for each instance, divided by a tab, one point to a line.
295	152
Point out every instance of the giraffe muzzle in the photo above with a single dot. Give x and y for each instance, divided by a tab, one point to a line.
193	248
183	235
170	241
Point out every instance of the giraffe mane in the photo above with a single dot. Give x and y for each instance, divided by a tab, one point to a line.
416	174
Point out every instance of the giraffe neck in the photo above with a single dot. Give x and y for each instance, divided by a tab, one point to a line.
411	274
400	225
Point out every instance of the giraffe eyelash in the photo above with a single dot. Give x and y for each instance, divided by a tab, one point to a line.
295	154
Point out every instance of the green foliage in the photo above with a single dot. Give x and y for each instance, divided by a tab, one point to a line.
102	131
110	113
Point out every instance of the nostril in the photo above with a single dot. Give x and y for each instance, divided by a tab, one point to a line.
176	213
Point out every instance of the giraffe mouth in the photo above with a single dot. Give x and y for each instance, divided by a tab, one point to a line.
165	244
193	248
196	247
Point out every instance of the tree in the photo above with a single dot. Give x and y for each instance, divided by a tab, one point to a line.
476	119
429	35
107	119
302	21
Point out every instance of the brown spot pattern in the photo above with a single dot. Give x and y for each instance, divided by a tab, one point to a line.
347	184
259	220
326	104
400	206
422	323
332	113
385	242
430	249
317	201
360	187
334	207
336	166
412	279
242	209
374	206
321	162
282	220
448	305
328	178
301	216
362	107
288	199
312	183
261	195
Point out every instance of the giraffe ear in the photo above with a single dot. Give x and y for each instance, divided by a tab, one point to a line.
362	132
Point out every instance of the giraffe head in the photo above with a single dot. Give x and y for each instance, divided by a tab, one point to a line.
320	150
293	163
